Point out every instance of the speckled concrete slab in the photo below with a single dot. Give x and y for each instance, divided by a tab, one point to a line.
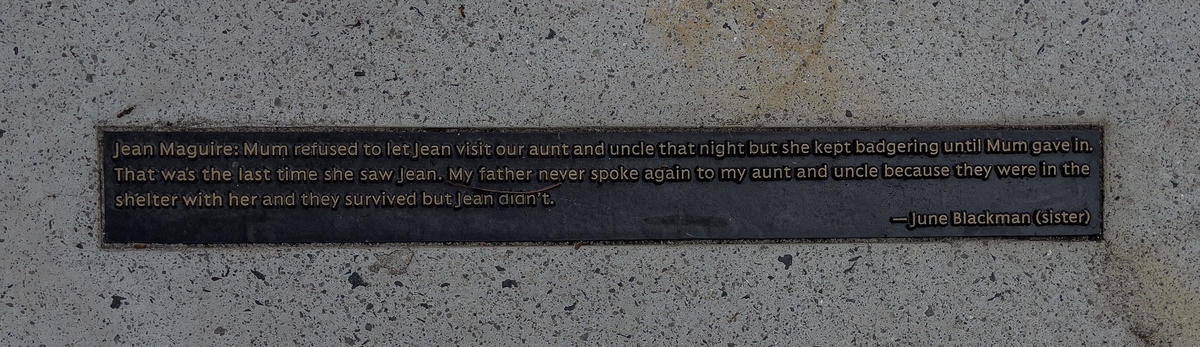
72	67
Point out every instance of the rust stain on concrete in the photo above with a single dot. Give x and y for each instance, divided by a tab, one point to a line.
758	59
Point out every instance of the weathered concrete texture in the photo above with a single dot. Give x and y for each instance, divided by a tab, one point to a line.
73	66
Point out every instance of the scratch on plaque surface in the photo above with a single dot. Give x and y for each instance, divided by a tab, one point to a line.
685	220
758	59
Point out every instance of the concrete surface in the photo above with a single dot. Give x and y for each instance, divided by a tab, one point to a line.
70	67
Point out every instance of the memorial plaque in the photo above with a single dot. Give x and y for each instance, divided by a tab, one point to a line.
389	185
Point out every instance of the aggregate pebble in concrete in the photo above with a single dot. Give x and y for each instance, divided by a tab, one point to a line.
1131	67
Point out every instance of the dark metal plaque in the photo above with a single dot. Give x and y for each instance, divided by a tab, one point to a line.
403	186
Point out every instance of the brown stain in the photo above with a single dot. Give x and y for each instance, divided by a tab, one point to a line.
1160	308
126	111
757	59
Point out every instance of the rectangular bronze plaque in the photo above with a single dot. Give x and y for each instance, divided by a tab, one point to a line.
400	186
